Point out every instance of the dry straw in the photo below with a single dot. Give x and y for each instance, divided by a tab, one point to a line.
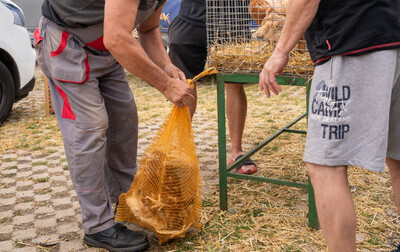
261	216
250	57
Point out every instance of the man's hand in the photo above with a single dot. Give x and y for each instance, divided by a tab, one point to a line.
275	65
177	90
299	16
179	93
172	71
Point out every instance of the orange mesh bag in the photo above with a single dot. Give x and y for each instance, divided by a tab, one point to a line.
165	196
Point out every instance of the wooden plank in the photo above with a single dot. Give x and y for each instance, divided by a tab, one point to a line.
47	97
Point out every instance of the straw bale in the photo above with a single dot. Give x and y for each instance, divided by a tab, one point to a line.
250	57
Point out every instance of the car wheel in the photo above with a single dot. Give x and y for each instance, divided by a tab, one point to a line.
7	92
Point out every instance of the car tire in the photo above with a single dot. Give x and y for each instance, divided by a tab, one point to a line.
7	92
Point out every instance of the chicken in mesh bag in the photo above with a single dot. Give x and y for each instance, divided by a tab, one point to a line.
165	196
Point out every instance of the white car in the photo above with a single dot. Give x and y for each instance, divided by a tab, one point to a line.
17	58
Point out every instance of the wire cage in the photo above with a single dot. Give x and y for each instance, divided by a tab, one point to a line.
242	34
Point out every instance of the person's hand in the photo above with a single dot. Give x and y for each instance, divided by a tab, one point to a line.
172	71
177	89
274	65
179	93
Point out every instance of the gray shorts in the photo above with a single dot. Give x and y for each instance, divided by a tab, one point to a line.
354	111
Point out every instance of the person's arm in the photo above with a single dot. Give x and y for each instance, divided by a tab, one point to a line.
150	61
150	38
299	16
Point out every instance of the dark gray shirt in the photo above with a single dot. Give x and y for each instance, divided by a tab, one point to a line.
82	13
73	13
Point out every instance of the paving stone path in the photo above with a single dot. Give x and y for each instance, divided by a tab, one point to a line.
39	209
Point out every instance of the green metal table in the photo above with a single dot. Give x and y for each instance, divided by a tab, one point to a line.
225	170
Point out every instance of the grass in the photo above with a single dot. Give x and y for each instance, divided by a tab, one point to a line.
39	163
42	180
4	220
261	216
5	237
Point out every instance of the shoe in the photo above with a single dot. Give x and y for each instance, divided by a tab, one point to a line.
397	248
117	238
247	161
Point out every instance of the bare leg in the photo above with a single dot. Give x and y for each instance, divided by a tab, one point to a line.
335	206
192	108
394	169
236	110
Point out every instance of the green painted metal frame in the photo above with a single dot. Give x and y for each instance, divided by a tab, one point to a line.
225	170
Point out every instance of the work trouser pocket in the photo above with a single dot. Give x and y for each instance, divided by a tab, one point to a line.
62	54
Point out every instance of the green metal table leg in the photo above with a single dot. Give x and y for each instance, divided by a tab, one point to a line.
223	180
312	210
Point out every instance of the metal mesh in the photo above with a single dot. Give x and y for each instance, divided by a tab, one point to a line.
242	34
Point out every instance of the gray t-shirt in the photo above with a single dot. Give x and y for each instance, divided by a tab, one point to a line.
81	13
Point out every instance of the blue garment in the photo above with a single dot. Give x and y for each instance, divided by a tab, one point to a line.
171	8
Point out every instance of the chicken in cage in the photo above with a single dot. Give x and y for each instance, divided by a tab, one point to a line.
242	34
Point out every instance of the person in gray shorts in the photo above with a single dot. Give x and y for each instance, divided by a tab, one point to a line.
354	110
82	48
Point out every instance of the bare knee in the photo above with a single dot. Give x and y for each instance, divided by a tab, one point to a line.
393	164
323	172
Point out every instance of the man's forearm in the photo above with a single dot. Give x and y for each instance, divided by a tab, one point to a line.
128	52
300	14
154	47
118	25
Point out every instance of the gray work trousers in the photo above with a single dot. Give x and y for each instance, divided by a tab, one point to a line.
97	115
